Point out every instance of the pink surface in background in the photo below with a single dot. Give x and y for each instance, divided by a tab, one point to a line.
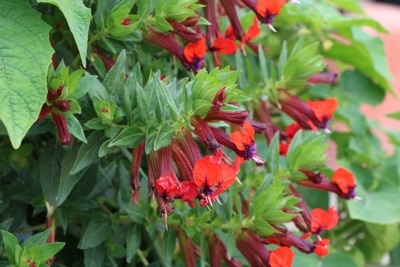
389	16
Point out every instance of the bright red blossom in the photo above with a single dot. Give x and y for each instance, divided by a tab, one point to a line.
213	177
323	109
195	51
322	220
243	139
344	179
281	257
269	7
320	248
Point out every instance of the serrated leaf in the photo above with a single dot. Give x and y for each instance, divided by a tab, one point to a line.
88	153
24	60
95	233
78	17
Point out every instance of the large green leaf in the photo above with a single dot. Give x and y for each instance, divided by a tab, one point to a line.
78	17
24	60
364	52
380	206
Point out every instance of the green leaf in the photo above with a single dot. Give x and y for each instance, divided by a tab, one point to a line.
37	239
134	212
83	86
273	154
129	137
364	52
133	240
10	243
67	179
75	127
338	259
263	227
168	247
41	253
88	153
94	257
201	107
379	207
50	169
395	115
78	17
95	233
349	5
25	54
360	89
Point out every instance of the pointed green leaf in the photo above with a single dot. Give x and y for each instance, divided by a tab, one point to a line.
75	128
24	60
41	253
129	137
10	242
37	239
78	17
95	233
50	168
88	153
133	240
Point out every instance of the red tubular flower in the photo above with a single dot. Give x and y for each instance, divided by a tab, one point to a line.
269	9
188	192
218	252
281	257
244	141
194	54
137	153
323	77
62	128
345	180
182	30
322	220
288	239
252	248
213	177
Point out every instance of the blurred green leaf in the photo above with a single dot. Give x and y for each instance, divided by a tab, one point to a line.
95	233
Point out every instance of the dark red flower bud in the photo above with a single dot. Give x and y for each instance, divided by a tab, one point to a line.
62	128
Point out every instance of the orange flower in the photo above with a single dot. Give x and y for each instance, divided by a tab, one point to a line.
268	8
322	220
281	257
195	51
213	177
344	179
244	142
321	249
225	45
323	109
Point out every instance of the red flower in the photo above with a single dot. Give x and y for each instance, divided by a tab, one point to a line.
188	192
323	109
244	142
194	53
167	187
269	9
252	32
322	220
291	130
228	45
225	45
345	180
320	248
283	149
213	177
281	257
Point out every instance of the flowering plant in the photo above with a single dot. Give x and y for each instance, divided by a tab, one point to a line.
185	132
